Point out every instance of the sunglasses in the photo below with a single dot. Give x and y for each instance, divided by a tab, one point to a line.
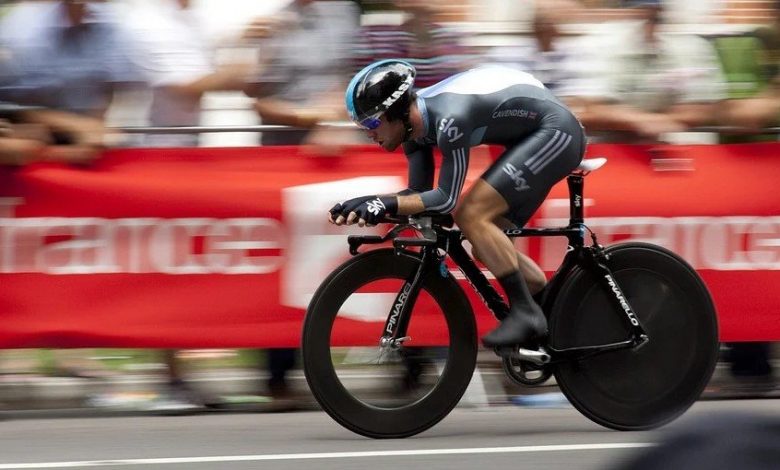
369	123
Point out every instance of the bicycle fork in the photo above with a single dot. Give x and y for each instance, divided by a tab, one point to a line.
394	331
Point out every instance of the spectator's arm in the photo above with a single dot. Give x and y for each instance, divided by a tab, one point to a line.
695	114
597	115
231	77
753	113
19	152
83	130
276	111
87	135
326	107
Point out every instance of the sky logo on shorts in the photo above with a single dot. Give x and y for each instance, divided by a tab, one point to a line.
446	127
517	177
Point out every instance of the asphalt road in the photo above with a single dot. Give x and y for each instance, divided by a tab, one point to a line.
496	437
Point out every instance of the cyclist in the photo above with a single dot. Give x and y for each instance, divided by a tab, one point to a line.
543	143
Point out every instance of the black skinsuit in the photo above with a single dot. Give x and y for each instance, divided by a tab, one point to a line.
544	142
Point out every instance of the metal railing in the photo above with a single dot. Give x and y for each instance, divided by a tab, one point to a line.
342	125
223	129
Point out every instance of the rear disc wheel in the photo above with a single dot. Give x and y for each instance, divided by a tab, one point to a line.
635	389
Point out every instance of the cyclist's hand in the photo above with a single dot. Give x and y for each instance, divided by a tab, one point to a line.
366	210
374	210
340	212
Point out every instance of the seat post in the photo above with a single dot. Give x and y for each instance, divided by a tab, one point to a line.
576	184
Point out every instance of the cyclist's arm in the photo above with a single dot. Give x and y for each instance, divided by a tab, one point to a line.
411	204
455	157
421	168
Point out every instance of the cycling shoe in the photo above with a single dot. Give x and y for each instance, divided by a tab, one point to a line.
517	328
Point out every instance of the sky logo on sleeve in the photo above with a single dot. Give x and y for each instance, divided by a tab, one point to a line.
446	127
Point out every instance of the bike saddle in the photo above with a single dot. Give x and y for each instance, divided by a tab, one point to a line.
590	164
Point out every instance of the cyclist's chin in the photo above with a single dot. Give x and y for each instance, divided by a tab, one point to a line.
390	146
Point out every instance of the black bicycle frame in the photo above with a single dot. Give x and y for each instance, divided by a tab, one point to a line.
450	241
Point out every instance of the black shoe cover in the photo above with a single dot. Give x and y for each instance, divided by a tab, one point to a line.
517	328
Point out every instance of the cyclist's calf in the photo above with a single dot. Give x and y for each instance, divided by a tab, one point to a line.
532	273
480	223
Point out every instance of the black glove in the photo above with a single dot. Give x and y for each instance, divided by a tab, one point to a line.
369	208
374	210
344	208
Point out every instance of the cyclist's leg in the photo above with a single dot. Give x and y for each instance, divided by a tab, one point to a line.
475	217
532	273
516	185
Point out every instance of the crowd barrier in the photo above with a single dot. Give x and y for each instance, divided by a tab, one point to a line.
207	247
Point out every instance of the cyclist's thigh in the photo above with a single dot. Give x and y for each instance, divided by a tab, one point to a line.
525	172
482	201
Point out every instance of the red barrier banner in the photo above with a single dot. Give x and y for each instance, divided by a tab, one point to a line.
225	247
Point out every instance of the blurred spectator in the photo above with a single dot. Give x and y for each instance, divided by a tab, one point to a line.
656	84
178	60
761	109
545	54
17	146
304	73
742	66
435	50
30	134
752	62
769	36
66	56
63	59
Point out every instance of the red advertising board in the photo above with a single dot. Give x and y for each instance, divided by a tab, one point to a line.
224	247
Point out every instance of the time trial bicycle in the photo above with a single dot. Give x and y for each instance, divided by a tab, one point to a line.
390	343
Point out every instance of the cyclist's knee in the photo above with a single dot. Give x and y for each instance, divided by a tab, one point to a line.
461	217
470	216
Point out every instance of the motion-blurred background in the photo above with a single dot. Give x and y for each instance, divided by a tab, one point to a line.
153	150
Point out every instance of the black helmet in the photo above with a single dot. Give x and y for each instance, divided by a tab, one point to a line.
375	88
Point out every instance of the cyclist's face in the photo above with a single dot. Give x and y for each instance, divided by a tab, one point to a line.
388	134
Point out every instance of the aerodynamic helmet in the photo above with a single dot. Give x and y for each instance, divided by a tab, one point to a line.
376	88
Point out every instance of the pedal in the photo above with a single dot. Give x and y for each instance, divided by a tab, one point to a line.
538	357
534	356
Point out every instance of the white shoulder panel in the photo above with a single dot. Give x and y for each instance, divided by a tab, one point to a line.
481	81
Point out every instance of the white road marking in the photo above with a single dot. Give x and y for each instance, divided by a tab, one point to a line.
327	455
